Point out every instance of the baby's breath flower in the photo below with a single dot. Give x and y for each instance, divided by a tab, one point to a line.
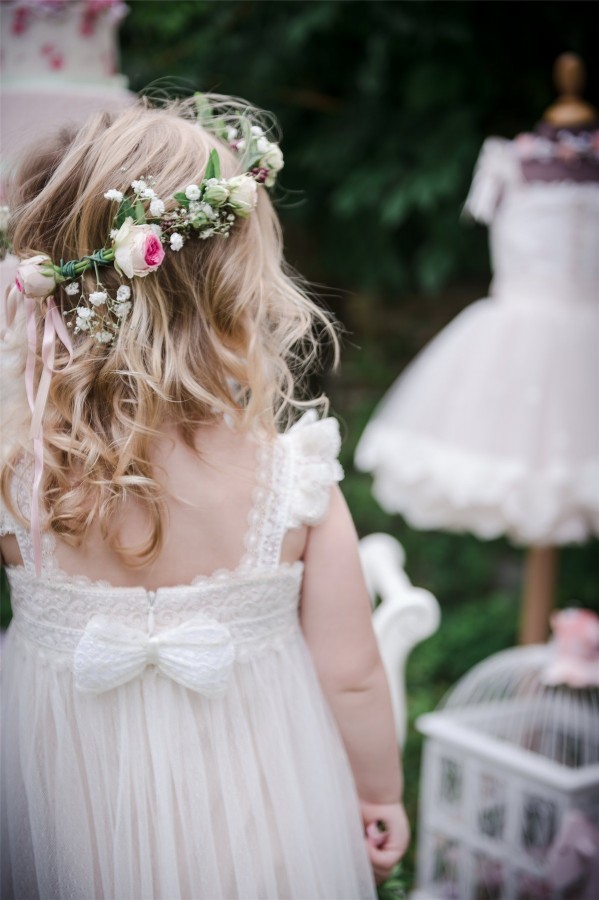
84	313
208	211
176	241
98	298
123	293
192	192
113	194
156	207
121	309
72	288
257	131
147	194
231	133
104	337
139	185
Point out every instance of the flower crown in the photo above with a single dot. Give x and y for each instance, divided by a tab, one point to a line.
135	247
142	229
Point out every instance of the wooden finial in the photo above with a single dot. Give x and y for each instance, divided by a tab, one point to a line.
569	75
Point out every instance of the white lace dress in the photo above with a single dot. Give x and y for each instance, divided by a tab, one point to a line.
494	428
176	743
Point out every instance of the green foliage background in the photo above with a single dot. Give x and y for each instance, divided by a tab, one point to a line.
384	105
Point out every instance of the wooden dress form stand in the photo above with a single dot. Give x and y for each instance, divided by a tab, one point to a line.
540	572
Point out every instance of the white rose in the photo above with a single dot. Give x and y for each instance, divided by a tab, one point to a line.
137	249
35	277
262	145
98	298
273	161
243	195
192	192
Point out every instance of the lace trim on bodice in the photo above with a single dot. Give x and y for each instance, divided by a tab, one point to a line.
259	608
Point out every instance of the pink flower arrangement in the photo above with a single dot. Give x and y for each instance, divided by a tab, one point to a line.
137	249
35	277
576	649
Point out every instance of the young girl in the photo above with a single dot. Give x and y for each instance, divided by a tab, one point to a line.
193	701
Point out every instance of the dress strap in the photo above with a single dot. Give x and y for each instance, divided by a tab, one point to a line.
267	520
302	467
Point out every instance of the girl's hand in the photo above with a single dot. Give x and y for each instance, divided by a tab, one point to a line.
387	836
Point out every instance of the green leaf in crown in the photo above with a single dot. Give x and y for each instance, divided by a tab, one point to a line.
213	167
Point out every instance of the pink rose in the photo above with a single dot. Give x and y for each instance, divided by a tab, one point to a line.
575	659
137	249
153	252
35	277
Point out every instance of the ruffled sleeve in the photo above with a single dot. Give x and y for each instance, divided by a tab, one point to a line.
314	447
496	168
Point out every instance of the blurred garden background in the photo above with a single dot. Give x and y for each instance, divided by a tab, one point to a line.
383	106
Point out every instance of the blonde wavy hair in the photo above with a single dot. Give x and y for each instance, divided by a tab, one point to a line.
224	327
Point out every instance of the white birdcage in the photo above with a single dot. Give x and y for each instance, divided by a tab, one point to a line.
509	803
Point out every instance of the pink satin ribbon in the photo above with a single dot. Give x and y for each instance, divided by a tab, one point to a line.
54	327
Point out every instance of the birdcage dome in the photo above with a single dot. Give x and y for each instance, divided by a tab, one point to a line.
509	805
516	697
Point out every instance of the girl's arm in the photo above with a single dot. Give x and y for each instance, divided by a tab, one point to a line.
337	622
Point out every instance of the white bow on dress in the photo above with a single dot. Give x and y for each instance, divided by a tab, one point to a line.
198	654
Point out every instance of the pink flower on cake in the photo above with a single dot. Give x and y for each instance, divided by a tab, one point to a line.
137	249
35	277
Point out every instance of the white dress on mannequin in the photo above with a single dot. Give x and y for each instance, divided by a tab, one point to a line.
176	744
494	427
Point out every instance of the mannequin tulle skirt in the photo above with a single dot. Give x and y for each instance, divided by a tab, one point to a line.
151	790
494	428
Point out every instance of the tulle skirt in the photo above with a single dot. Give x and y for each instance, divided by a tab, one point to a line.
151	790
494	428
